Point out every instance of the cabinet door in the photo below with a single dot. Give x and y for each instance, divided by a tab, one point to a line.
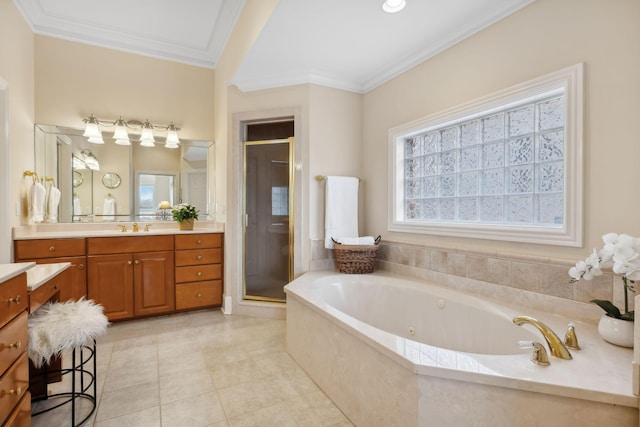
154	283
110	283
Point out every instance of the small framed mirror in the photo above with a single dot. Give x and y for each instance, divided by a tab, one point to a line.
111	180
77	178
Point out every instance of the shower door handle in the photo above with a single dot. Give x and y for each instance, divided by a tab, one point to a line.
246	220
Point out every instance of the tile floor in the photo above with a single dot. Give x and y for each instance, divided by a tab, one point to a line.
201	369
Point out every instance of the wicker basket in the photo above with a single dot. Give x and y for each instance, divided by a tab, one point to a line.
356	259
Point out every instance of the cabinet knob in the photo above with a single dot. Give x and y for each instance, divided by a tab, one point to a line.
136	262
15	345
199	273
199	257
54	287
17	391
81	266
15	300
52	249
129	262
198	241
199	294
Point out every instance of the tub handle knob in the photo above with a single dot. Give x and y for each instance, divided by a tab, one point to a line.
570	338
539	355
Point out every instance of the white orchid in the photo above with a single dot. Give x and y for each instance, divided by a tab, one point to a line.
621	253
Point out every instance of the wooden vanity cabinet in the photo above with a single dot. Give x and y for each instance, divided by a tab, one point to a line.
198	270
127	279
73	281
15	400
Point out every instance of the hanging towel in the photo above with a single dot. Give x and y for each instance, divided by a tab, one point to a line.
364	240
109	209
77	209
36	205
52	205
341	208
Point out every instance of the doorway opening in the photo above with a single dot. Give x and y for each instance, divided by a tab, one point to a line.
268	210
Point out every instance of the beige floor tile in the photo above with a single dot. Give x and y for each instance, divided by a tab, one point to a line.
184	384
130	375
127	400
202	410
201	369
185	360
145	418
250	396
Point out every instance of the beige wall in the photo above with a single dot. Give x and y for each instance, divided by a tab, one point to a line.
74	80
546	36
17	69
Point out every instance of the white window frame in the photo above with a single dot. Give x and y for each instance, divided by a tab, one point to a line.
570	80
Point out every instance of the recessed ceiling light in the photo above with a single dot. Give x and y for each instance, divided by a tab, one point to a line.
393	6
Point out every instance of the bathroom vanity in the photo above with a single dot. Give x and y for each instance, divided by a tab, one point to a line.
132	274
24	287
15	401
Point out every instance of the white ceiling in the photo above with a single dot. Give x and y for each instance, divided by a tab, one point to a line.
346	44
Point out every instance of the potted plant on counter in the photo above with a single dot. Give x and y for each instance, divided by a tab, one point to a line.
621	253
185	214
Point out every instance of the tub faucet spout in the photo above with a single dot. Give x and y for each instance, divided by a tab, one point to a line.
556	347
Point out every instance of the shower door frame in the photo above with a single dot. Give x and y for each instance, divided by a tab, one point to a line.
291	169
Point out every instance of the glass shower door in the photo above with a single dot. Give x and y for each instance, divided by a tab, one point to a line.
267	227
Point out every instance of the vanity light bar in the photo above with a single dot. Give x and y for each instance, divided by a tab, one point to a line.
94	135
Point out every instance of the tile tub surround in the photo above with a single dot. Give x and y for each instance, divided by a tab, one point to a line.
378	378
202	368
536	282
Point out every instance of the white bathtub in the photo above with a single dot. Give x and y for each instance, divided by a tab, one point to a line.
391	351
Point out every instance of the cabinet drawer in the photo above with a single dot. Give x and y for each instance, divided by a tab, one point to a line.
198	294
13	340
46	248
198	256
197	273
14	384
201	240
21	415
43	293
13	297
121	245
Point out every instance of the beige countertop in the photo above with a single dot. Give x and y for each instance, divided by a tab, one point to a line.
42	273
9	271
111	229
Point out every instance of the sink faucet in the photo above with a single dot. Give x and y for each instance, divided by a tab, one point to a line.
556	347
135	226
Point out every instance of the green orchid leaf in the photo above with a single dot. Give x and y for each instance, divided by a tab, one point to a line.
609	308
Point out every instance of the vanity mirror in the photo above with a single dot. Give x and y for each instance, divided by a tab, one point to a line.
118	182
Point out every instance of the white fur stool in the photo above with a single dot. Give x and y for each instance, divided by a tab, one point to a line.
71	326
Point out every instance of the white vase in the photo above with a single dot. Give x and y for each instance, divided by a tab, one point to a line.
616	331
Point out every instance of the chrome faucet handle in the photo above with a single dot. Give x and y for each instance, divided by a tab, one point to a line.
570	338
539	355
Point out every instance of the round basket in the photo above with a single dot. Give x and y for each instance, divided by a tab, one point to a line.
356	259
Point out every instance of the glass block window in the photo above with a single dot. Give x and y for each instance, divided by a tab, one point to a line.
279	201
506	168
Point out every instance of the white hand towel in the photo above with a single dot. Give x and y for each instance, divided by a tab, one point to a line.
364	240
36	207
52	206
109	209
77	208
341	208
